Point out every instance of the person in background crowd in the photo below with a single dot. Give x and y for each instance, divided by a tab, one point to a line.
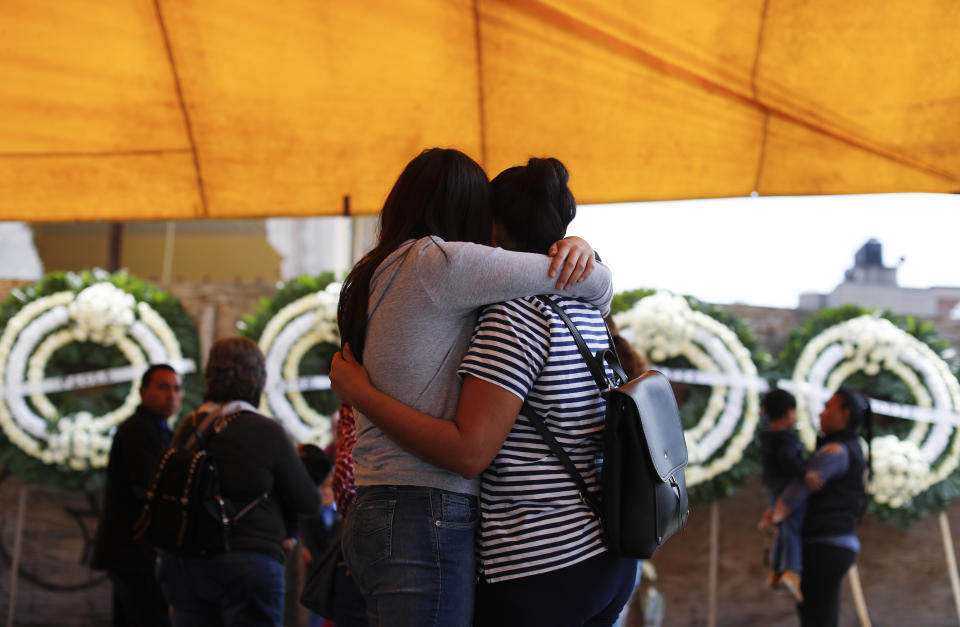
835	494
408	309
319	532
260	474
319	529
137	447
781	456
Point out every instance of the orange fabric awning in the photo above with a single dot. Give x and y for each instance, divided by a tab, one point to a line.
168	109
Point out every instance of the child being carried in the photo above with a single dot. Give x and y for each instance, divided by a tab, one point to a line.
781	455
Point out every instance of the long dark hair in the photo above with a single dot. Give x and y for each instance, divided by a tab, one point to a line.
441	192
533	204
861	419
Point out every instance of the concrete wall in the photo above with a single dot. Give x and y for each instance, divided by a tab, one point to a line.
222	251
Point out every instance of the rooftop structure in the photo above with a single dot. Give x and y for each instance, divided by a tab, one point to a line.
869	283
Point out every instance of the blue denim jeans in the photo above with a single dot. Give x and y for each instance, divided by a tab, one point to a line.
410	550
787	553
237	588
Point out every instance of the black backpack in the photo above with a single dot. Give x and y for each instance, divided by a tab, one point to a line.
643	493
185	513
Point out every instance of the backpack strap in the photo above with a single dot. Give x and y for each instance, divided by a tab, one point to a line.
596	362
210	426
197	431
249	506
537	421
596	367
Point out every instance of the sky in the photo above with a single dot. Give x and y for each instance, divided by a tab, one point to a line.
766	251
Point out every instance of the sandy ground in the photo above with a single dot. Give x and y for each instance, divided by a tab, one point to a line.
904	573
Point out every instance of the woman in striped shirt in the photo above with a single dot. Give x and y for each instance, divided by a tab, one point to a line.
540	555
408	537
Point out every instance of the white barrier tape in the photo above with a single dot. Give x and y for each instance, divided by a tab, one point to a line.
885	408
700	377
94	378
912	412
302	384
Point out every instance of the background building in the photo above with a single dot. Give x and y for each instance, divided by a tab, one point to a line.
869	283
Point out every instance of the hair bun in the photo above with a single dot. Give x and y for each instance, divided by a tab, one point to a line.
548	168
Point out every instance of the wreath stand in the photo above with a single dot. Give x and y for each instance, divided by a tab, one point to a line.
951	557
856	587
714	566
17	549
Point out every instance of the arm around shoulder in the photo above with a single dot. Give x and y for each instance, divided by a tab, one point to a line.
464	445
464	276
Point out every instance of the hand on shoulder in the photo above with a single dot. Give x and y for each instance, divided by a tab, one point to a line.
833	448
574	260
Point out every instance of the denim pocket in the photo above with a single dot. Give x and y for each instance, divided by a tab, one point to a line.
457	511
370	538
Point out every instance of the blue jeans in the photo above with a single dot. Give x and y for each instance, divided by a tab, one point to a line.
410	550
237	588
787	553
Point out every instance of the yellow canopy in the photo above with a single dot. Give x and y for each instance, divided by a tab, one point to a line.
175	109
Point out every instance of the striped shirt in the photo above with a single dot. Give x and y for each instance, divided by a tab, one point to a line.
532	518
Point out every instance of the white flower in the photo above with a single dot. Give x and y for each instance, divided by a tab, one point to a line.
870	344
899	471
663	325
102	313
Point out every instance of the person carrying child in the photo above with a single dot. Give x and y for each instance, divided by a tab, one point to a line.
781	455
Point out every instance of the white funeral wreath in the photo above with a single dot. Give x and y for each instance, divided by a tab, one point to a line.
101	313
663	326
287	337
902	468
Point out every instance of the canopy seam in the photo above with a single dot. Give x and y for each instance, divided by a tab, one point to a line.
93	153
600	37
183	107
481	102
753	88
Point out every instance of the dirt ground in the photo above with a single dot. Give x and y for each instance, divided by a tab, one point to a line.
903	573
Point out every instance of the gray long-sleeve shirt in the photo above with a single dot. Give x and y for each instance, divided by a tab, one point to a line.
422	312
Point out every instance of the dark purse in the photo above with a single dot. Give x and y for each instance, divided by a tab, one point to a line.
643	494
320	586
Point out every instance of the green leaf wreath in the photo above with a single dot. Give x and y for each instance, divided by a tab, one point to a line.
317	359
692	399
885	386
84	356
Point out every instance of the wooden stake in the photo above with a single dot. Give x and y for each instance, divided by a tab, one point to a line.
166	267
714	565
858	599
17	549
951	556
207	331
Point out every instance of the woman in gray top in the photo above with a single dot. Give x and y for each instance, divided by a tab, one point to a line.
408	310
